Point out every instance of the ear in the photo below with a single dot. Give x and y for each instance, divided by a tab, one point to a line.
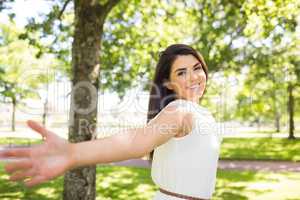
168	85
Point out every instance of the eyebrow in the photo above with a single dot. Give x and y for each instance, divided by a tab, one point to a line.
184	68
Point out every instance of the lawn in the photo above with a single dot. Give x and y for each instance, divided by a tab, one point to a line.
242	185
117	183
271	132
260	149
112	183
132	183
18	141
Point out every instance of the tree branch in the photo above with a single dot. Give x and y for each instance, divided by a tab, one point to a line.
63	9
109	5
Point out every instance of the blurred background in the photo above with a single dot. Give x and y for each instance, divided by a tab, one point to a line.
252	49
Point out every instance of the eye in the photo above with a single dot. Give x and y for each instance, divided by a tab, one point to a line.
198	68
181	73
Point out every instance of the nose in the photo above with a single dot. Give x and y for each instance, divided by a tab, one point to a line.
193	76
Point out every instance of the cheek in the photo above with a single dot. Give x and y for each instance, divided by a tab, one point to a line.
180	86
202	76
203	79
203	85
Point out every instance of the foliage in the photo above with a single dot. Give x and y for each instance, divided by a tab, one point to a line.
133	37
21	71
273	60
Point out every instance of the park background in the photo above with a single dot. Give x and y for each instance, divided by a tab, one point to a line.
252	49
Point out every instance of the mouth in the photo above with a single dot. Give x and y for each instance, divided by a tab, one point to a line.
194	87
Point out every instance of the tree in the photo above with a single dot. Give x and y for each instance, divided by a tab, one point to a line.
272	50
84	23
20	70
88	29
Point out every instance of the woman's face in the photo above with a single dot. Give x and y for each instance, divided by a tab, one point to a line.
187	78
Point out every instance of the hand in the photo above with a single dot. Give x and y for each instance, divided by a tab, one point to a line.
39	163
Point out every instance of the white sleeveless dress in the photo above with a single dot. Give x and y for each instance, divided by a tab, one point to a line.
188	165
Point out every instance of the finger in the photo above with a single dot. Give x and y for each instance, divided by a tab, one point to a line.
18	165
38	128
34	181
22	175
15	152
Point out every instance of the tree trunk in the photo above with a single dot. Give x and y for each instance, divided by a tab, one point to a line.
276	112
79	184
45	112
13	115
277	122
257	124
291	111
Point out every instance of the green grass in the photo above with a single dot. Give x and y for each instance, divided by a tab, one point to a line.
260	149
271	132
243	185
14	191
112	183
130	183
18	141
124	183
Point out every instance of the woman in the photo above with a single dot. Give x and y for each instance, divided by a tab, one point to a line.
181	133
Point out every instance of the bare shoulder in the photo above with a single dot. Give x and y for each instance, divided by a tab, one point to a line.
172	114
170	122
183	117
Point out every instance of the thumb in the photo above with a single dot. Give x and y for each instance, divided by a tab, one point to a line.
38	128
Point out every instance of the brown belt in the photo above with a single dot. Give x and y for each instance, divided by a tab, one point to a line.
179	195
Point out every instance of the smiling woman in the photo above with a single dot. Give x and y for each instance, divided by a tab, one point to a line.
185	166
181	73
180	131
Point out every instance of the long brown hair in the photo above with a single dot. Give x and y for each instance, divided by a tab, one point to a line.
160	96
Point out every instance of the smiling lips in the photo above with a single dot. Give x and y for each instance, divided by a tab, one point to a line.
195	87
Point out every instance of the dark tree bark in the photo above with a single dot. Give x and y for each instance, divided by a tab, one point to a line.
277	121
45	106
291	111
276	113
90	15
13	117
45	112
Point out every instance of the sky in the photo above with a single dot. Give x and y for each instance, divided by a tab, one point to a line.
25	9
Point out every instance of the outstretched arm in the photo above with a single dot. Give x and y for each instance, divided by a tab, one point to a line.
56	155
133	143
